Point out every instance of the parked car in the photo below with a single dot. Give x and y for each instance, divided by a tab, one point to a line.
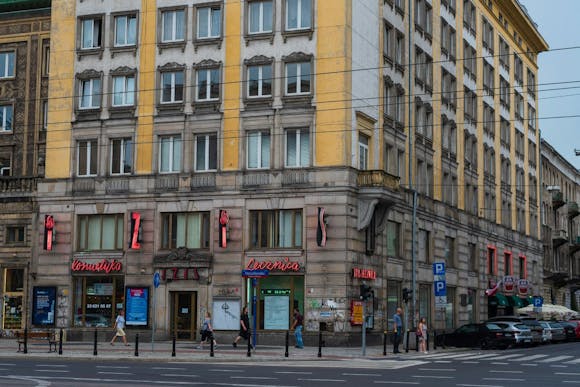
556	331
484	335
522	334
569	329
530	322
577	327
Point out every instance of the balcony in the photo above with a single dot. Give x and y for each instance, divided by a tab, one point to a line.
378	179
559	237
17	186
557	199
573	210
574	245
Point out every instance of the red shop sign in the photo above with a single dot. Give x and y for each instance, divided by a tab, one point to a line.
364	273
284	264
104	266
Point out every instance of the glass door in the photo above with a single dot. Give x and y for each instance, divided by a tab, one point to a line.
184	315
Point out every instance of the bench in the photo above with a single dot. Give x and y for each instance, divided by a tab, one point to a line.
37	337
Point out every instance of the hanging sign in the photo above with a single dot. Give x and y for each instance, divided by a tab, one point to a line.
321	228
224	219
136	231
48	231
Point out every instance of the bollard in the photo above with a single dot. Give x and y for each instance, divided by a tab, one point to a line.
25	340
407	346
416	342
434	339
95	344
137	345
173	347
60	342
319	343
287	339
249	353
427	339
211	346
385	343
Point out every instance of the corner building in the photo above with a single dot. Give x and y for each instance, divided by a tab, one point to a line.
266	153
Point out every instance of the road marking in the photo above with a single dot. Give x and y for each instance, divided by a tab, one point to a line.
507	371
506	379
51	371
497	363
218	370
479	356
114	373
180	375
558	366
529	365
528	358
347	374
168	368
7	365
557	358
322	380
571	381
477	385
437	369
567	373
470	362
507	356
253	377
113	367
433	377
575	361
293	372
393	382
51	365
443	361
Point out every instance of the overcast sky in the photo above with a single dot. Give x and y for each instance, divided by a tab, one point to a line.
559	23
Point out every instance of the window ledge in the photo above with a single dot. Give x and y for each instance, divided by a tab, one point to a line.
122	111
258	103
262	36
300	100
206	106
295	33
167	45
122	49
207	42
87	114
169	108
90	51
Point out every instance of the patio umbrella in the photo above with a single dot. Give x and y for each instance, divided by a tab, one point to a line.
549	312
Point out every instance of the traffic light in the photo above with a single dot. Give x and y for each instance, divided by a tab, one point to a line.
366	292
407	293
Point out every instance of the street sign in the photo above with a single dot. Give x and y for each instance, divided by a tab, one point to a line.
156	280
440	301
255	273
439	268
538	302
440	288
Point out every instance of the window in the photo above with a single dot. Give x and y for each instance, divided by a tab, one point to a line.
470	106
205	152
504	54
523	267
450	251
172	87
260	17
392	241
298	14
298	78
5	166
491	265
121	156
363	151
44	115
90	93
15	234
469	16
400	104
424	248
488	78
388	42
518	69
46	61
531	86
531	117
91	33
276	229
473	257
487	37
208	84
100	232
7	64
504	93
370	237
125	30
173	26
6	114
170	154
124	90
209	22
258	150
400	50
297	148
87	157
260	81
448	37
470	61
507	263
189	230
519	106
448	89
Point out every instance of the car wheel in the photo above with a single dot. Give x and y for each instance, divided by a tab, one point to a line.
483	344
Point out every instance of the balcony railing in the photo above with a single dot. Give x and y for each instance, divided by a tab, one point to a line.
378	178
557	199
559	237
573	210
10	185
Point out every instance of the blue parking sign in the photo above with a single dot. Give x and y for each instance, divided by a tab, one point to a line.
440	288
439	268
538	302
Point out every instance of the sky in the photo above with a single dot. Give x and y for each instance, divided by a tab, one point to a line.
559	23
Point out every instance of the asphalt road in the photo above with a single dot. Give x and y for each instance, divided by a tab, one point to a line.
545	366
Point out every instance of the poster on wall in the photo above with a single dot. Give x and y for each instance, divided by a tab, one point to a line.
226	314
43	304
276	312
137	305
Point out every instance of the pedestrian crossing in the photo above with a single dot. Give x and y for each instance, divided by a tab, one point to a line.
517	358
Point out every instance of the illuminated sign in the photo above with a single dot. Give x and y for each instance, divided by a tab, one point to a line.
48	231
284	264
364	273
223	228
136	231
179	274
104	266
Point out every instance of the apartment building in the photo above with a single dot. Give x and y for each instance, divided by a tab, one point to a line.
24	45
560	229
280	153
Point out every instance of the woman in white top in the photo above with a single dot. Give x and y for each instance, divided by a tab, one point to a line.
422	333
119	328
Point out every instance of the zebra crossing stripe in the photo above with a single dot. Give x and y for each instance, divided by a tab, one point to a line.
554	359
528	358
445	356
479	356
504	357
575	361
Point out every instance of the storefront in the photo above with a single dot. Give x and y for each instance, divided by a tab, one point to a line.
13	295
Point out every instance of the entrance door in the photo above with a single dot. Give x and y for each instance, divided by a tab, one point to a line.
183	315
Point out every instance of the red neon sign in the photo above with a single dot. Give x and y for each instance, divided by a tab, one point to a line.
284	264
48	231
176	274
223	229
136	230
105	266
364	273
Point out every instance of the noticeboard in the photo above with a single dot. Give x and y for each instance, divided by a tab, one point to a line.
356	313
137	305
43	305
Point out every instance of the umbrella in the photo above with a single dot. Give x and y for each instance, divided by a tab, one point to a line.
550	312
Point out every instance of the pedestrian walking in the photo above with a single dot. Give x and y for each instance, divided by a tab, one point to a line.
297	326
397	330
207	331
244	327
422	335
119	328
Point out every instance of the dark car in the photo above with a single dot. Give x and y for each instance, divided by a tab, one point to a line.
484	335
533	324
569	330
576	327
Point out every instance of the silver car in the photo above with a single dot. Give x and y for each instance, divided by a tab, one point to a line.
522	333
556	331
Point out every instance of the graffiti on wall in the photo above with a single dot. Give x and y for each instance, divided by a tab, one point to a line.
328	311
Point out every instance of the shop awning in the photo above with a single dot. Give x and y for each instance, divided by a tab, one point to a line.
499	299
516	301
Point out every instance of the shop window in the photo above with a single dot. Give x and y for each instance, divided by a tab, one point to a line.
189	230
276	229
97	300
100	232
425	292
278	296
450	308
15	234
393	300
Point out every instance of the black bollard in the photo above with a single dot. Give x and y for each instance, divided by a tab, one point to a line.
173	347
211	346
249	353
137	345
434	340
385	343
25	340
287	340
319	343
416	342
60	342
95	344
407	346
427	339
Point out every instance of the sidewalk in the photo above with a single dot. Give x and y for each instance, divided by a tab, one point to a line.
187	352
